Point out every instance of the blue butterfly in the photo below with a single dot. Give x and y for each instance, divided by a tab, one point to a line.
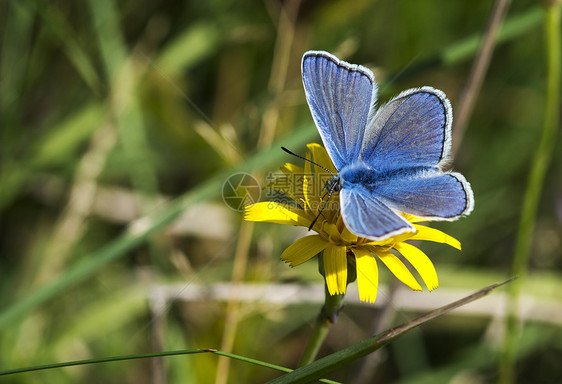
390	159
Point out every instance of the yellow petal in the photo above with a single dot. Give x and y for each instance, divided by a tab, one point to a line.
335	269
402	236
320	156
347	236
392	240
303	249
322	176
398	268
272	212
290	183
367	274
421	263
432	234
331	230
289	168
308	183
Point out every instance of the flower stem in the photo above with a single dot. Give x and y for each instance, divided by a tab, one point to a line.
533	192
328	315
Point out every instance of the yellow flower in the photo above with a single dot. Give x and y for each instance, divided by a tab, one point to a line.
309	203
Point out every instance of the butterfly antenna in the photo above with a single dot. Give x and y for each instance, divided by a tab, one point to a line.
329	193
305	159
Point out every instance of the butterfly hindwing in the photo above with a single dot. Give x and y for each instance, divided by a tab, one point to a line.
432	195
412	130
367	216
340	96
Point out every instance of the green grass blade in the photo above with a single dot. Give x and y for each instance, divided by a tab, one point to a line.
59	28
512	28
464	49
148	356
141	229
125	95
264	364
102	360
189	48
106	25
539	167
55	148
482	357
348	355
14	56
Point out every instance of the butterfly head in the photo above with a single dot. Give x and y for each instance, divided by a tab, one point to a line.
335	184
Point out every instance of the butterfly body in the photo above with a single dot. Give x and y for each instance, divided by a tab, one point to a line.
390	160
362	174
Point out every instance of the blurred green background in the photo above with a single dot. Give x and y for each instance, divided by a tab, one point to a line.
114	110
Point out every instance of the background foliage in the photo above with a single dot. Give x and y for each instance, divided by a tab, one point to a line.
111	109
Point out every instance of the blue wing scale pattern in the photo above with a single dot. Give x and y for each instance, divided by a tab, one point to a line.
431	195
340	96
391	160
413	129
367	216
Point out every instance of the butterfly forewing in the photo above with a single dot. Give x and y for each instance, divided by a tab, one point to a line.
340	96
412	130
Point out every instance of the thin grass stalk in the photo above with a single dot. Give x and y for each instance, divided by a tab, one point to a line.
535	184
278	78
270	121
478	72
232	316
71	225
137	356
